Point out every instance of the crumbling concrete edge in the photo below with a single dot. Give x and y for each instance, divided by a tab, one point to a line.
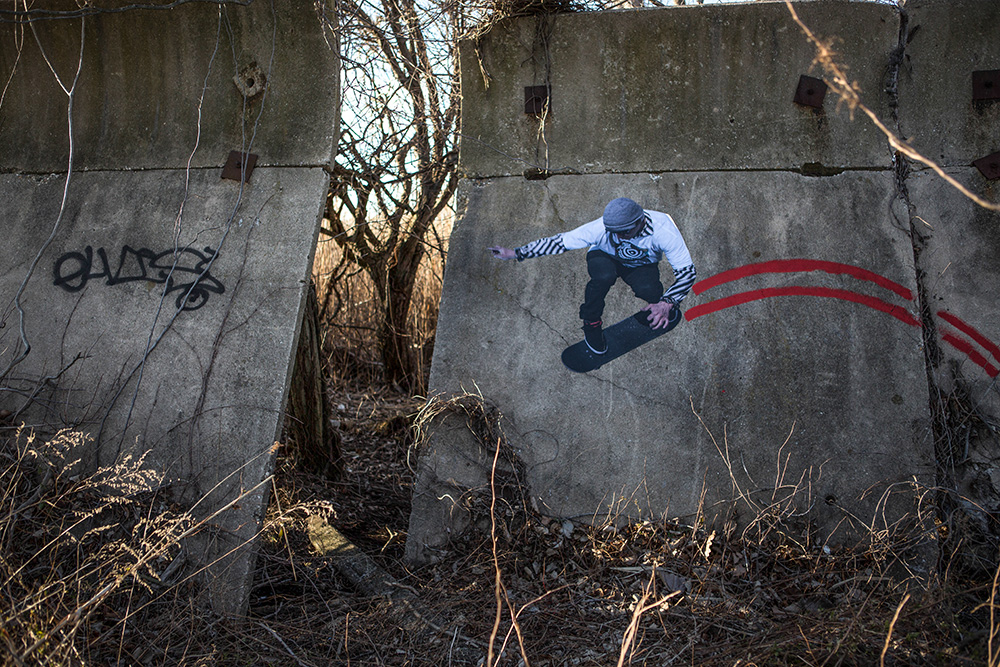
465	435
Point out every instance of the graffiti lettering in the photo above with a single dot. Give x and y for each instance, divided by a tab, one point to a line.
184	271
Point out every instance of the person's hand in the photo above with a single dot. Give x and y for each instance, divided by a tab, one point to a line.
501	252
659	314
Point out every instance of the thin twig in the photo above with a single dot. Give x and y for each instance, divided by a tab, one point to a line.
70	93
992	653
496	562
892	624
282	642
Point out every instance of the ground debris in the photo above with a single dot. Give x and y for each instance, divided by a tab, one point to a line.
657	592
569	591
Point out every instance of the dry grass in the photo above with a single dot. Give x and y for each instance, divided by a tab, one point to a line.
668	593
530	589
79	552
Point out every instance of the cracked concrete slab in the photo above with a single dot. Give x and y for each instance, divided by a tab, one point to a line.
845	303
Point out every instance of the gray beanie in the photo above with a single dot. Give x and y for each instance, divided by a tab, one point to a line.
621	214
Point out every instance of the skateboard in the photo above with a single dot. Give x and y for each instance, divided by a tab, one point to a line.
622	337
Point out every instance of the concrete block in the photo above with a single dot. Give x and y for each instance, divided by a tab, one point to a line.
947	41
201	389
153	304
685	88
455	465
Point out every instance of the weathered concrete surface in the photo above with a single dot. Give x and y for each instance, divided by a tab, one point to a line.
840	385
161	305
143	101
685	88
961	239
957	240
960	244
207	400
947	42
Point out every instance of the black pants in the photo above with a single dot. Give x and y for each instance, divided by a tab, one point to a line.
604	270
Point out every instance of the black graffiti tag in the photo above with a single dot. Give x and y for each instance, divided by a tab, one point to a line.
184	271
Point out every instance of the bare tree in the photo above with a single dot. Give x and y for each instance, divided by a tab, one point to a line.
397	161
397	158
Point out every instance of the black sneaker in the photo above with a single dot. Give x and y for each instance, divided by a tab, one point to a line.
593	335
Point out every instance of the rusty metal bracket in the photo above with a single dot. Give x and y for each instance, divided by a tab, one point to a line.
239	166
989	166
536	100
986	85
810	92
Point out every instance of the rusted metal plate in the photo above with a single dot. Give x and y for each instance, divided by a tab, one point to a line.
986	85
239	166
536	100
810	92
989	166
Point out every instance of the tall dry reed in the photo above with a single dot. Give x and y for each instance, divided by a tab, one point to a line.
75	546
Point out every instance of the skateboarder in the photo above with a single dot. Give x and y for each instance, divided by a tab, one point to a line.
626	242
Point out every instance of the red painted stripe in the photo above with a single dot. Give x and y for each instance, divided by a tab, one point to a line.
794	265
965	347
899	313
972	333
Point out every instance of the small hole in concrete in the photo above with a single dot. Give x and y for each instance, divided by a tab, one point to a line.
831	499
250	83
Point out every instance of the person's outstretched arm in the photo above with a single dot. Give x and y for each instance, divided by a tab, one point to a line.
581	237
552	245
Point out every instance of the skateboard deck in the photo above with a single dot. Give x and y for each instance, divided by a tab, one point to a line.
622	337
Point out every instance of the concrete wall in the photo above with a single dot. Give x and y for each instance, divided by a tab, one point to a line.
160	301
821	392
957	241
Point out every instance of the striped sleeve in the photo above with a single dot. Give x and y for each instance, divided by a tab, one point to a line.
683	280
552	245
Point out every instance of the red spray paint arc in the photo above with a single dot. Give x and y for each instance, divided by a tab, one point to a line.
805	265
